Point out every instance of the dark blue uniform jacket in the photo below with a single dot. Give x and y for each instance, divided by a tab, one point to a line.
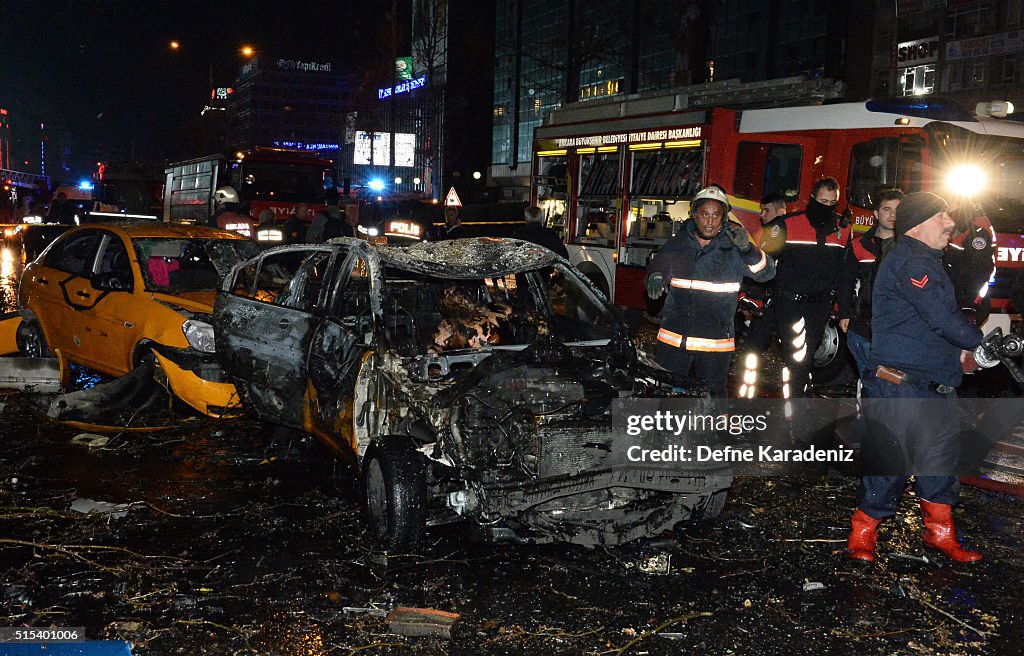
916	325
704	285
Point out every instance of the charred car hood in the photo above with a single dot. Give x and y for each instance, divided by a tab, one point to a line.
469	258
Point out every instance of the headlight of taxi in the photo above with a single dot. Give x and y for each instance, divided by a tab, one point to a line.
199	335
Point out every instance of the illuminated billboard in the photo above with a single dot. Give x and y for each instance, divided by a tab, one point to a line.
380	145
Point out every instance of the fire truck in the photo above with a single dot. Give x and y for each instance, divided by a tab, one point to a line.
265	178
616	177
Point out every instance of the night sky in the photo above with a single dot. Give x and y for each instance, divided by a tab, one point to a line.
105	69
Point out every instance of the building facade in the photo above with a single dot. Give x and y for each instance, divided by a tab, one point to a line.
969	51
548	53
288	103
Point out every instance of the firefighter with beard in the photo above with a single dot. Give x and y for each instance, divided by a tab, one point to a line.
919	347
815	243
701	268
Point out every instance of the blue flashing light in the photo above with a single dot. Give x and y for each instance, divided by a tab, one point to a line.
377	184
940	110
85	185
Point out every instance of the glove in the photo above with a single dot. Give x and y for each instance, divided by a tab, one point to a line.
655	285
752	305
738	235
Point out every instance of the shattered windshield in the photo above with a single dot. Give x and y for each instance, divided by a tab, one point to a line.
177	265
428	314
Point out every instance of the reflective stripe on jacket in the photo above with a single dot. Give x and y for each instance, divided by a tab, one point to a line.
703	288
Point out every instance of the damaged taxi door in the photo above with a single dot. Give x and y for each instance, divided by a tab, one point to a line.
59	292
336	353
264	328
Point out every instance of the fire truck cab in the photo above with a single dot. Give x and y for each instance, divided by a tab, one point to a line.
616	177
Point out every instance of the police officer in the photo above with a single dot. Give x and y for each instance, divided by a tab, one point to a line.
918	342
814	246
702	267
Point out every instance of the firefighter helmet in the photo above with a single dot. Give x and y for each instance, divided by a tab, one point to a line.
710	193
225	195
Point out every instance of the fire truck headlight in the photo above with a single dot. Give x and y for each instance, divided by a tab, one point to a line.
965	180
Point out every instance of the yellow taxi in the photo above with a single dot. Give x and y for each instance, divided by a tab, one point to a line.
111	296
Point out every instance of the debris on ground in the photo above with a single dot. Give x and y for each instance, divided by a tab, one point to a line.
416	622
660	563
90	440
90	506
39	375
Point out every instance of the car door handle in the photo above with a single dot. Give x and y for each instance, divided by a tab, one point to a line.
82	294
284	324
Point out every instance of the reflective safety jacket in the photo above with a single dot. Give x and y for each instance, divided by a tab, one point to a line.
703	288
916	325
857	278
810	262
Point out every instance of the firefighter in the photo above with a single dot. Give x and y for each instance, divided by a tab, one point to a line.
815	242
970	262
229	214
918	347
858	276
701	268
267	231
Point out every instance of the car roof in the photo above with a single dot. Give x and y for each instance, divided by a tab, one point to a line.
156	229
462	258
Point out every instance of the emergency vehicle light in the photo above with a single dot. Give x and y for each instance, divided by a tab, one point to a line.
377	184
85	185
965	180
934	109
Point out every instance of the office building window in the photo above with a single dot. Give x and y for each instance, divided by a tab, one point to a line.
917	80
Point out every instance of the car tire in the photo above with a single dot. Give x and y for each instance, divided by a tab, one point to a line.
395	493
711	507
833	363
30	340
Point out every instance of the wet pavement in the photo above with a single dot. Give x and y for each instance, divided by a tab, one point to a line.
232	542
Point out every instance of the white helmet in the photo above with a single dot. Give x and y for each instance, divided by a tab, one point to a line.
225	195
710	193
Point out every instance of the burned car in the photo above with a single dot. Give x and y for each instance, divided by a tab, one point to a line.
468	380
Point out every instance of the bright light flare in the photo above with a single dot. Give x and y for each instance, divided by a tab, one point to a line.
377	184
965	180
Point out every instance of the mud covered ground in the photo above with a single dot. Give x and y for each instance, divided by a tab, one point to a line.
235	545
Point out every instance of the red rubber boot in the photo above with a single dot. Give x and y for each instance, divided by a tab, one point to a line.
940	534
863	534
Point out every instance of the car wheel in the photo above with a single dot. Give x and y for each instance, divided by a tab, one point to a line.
395	490
833	364
712	506
30	340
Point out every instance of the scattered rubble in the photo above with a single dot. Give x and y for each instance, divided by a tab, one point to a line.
417	622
